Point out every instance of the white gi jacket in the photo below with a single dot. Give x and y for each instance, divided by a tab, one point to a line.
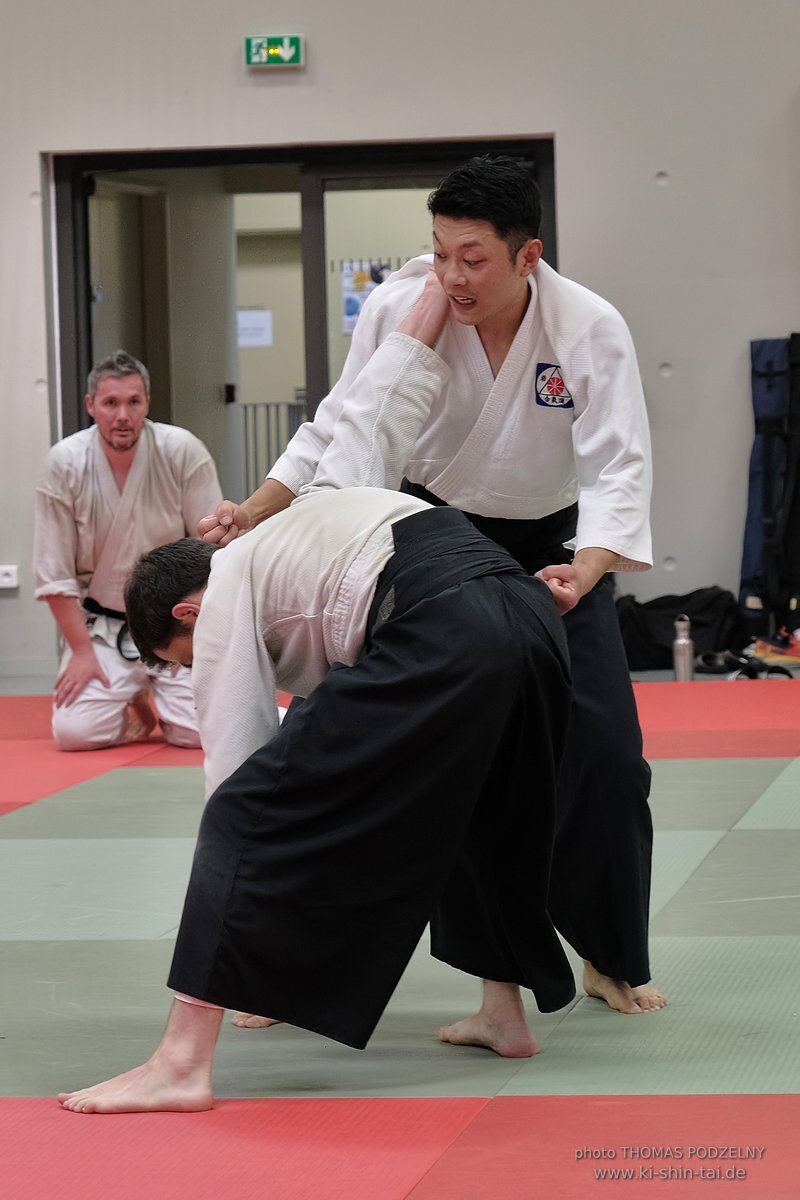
564	420
291	597
172	483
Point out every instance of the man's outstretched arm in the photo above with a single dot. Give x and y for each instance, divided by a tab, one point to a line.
229	519
424	322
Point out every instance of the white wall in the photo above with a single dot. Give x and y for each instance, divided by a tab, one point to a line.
705	91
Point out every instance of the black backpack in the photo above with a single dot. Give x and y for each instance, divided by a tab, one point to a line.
648	629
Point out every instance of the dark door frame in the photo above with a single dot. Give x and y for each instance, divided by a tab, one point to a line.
372	165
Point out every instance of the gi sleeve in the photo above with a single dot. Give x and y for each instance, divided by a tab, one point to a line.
611	442
383	311
233	677
55	537
381	416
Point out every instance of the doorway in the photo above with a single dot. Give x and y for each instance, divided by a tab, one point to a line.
361	211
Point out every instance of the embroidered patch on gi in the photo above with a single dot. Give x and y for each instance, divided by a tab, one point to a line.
551	391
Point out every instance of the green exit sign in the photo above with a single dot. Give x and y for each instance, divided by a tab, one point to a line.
281	51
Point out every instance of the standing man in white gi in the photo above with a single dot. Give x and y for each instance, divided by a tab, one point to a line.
541	437
109	493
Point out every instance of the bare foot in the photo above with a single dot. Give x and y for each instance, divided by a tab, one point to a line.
478	1030
153	1087
499	1025
243	1020
619	995
141	720
648	998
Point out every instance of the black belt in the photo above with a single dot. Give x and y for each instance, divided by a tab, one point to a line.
99	610
534	542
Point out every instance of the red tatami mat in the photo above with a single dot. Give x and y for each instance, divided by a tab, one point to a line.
554	1148
34	768
31	767
508	1148
753	718
242	1150
160	754
705	719
25	717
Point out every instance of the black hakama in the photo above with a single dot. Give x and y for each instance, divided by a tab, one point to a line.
600	889
418	784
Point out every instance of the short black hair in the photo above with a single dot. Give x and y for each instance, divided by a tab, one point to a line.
493	188
160	580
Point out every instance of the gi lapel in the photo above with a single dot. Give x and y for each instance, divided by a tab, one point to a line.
108	578
485	436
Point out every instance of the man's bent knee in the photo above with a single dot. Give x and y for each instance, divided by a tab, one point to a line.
180	735
84	731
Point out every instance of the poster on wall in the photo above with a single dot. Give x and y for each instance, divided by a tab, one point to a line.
359	278
254	327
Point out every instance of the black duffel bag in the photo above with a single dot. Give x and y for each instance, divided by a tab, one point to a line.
648	629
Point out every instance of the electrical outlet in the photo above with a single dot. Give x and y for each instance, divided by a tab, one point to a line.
9	576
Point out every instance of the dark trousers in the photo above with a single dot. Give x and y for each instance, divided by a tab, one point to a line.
600	888
417	784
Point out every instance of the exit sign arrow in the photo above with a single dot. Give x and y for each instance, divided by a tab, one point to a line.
278	50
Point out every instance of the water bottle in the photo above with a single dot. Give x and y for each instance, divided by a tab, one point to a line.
683	649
